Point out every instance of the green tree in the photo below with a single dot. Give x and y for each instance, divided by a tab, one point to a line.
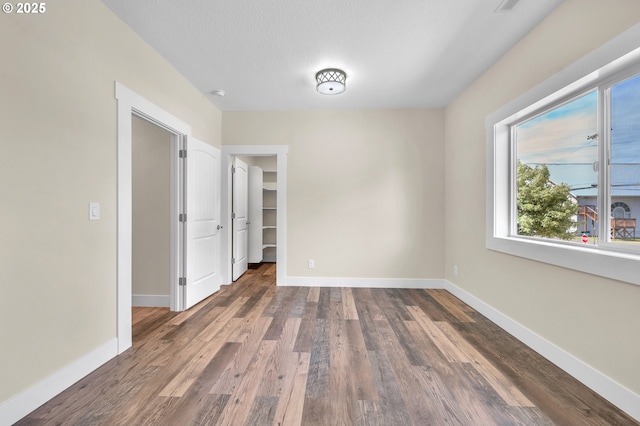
545	209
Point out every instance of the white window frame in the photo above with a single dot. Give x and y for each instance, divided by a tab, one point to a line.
605	259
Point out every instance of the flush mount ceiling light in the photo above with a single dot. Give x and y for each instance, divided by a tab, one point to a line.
331	81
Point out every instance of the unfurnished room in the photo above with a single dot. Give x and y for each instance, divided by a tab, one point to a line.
416	212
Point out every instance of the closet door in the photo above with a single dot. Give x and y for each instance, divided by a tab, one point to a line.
239	215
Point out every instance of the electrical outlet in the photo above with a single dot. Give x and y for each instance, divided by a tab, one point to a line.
455	270
312	263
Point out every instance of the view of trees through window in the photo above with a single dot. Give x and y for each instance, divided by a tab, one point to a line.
557	188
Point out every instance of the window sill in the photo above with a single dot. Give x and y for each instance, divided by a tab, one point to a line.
589	259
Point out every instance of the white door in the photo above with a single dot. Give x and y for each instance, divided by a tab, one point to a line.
239	217
255	215
202	224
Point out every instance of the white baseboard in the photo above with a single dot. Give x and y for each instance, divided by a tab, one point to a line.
612	391
28	400
150	300
365	282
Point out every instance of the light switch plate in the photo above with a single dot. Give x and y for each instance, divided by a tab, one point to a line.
94	211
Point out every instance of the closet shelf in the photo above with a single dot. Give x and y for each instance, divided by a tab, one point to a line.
269	186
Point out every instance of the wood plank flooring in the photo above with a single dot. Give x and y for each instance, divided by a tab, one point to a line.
254	354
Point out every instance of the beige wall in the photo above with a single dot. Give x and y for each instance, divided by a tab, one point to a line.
151	215
593	318
58	121
364	189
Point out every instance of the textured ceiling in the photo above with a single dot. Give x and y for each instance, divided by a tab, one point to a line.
396	53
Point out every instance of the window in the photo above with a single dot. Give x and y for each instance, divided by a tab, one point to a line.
557	155
624	186
563	166
620	210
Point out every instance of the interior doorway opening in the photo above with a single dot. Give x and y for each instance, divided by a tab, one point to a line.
272	230
151	214
194	217
131	104
254	228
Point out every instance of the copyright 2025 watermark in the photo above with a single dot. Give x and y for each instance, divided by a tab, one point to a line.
24	8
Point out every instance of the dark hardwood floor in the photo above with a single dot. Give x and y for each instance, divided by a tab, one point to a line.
254	354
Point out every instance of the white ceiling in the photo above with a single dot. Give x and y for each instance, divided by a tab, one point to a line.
397	53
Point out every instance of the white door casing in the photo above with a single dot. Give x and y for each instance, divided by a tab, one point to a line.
130	103
239	218
255	214
202	224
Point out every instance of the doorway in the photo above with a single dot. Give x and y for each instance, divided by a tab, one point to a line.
131	104
254	212
279	153
151	214
194	219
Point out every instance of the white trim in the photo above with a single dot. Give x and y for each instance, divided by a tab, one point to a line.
151	300
589	259
175	230
124	224
281	153
130	103
28	400
614	392
601	260
420	283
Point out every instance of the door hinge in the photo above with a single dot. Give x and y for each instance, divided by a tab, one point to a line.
182	217
233	260
182	281
233	169
183	153
233	215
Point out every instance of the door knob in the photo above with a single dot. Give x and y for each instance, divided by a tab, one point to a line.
220	227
